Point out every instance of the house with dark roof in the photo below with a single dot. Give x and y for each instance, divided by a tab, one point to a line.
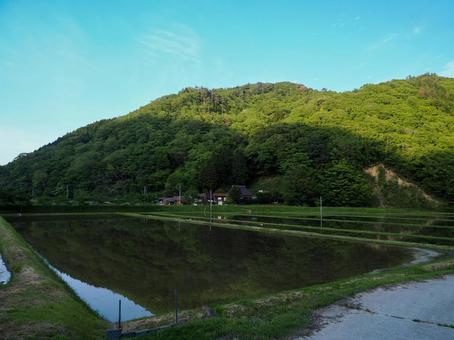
246	195
221	198
217	197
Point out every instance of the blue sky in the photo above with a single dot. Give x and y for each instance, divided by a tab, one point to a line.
64	64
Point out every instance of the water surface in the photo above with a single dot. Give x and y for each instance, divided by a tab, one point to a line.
104	301
5	275
145	260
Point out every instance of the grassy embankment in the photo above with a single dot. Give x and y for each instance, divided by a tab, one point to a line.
365	234
36	303
298	210
283	231
392	226
284	313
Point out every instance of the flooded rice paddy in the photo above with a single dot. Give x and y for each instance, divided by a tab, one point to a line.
141	262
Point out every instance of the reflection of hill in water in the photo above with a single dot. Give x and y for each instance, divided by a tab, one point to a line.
146	260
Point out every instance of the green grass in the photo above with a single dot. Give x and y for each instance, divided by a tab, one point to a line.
323	230
288	232
288	312
330	218
298	210
36	303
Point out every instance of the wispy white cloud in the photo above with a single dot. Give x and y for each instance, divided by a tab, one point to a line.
179	41
409	35
345	22
384	41
448	70
416	30
339	24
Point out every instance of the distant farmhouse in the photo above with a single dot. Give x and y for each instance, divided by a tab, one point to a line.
173	200
246	195
218	197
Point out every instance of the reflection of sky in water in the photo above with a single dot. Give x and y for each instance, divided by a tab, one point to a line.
5	275
103	300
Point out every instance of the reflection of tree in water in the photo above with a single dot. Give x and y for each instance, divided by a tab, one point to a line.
146	260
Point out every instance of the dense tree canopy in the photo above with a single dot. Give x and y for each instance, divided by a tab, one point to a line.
292	142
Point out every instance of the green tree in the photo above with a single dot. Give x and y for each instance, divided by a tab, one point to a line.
300	185
235	194
343	185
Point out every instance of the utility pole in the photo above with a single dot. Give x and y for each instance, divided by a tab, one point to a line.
119	314
176	305
67	191
211	205
179	194
321	212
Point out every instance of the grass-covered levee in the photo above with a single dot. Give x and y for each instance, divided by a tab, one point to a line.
36	303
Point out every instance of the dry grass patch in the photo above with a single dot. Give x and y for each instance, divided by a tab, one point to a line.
448	264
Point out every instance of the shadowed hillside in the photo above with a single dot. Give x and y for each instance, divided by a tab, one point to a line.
292	142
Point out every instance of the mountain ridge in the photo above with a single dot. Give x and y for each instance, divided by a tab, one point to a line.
214	138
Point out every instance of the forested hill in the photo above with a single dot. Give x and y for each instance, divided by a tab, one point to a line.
290	141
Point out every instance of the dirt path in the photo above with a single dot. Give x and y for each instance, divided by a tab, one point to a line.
417	310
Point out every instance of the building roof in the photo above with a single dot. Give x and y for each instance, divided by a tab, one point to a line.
170	199
219	194
243	190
